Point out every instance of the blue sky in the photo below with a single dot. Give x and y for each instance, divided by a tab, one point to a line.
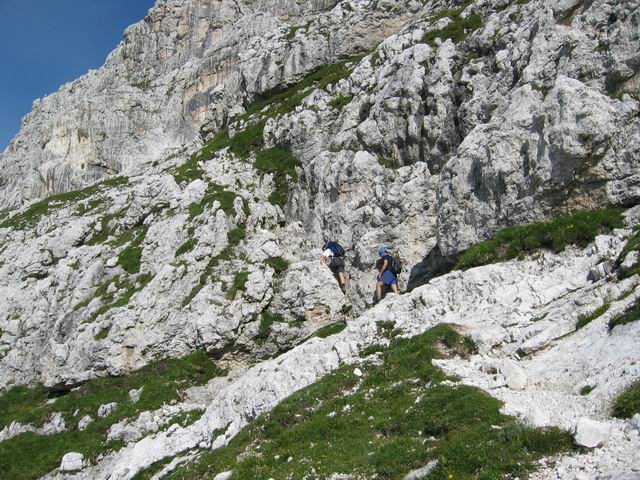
46	43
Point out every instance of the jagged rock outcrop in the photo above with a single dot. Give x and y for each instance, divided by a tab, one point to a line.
500	307
489	129
227	156
187	66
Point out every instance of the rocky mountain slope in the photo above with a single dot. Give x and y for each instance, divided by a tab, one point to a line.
230	138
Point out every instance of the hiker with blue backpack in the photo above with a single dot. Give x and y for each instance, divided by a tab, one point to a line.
333	257
388	272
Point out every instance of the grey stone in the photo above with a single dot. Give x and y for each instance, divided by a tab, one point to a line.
106	409
422	472
72	462
590	433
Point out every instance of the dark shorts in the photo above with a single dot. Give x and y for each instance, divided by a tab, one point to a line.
388	278
336	265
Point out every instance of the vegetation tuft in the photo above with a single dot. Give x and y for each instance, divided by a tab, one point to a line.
239	282
631	315
281	163
214	193
162	382
632	245
125	288
627	404
280	101
186	246
586	319
515	242
396	418
267	319
340	102
457	29
29	217
234	237
279	264
586	390
331	329
129	257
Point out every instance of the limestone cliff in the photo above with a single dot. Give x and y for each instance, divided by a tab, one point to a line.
176	199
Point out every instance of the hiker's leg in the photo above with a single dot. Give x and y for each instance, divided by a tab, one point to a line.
394	287
342	282
379	291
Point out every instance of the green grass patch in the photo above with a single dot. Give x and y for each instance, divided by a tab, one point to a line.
381	426
129	257
586	390
108	228
145	85
148	473
457	29
242	144
291	33
633	244
279	264
125	288
214	193
234	237
29	456
584	320
186	246
267	319
515	242
239	282
102	334
388	163
329	330
30	216
631	315
281	163
282	100
627	404
340	102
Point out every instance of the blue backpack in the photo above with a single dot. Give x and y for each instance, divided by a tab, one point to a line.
335	248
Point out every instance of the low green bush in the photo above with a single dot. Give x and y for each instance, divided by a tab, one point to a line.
397	417
129	258
631	315
331	329
282	100
627	404
340	102
586	390
29	217
457	29
586	319
29	456
214	193
187	246
267	319
279	264
282	164
239	282
578	229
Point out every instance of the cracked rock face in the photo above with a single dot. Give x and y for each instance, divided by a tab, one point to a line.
425	145
187	66
407	137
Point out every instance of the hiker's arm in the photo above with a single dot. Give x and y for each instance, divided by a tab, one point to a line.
383	268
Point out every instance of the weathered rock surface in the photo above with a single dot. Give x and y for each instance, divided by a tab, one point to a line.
591	434
72	462
424	144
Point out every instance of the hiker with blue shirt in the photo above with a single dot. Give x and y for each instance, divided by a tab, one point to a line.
386	277
333	257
